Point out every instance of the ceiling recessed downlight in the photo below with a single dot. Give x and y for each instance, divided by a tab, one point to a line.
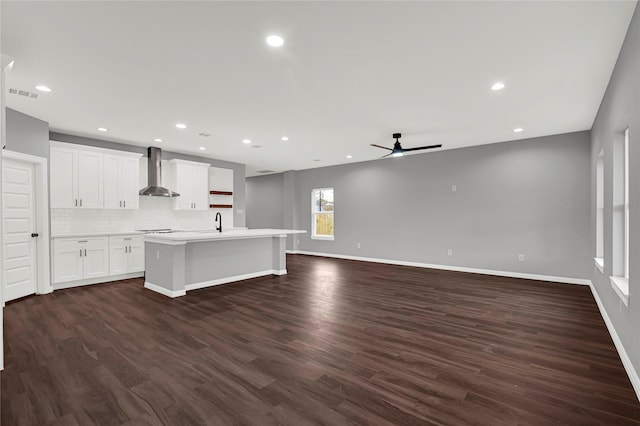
498	86
102	129
247	141
181	126
285	138
43	88
349	156
157	140
275	41
202	148
518	129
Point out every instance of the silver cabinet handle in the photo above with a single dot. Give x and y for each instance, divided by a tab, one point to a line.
85	252
120	203
124	203
80	202
80	252
76	202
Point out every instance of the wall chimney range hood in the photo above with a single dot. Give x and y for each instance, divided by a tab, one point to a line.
154	174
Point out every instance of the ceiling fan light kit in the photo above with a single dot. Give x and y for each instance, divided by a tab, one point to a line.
398	151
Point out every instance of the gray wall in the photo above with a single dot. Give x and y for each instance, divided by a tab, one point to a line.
27	134
265	200
528	197
239	197
620	108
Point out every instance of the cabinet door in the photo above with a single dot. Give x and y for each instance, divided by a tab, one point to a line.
136	254
112	182
200	194
67	261
184	182
129	185
63	178
90	179
96	260
117	256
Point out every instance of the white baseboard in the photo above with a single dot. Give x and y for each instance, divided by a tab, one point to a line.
626	361
164	291
566	280
234	278
99	280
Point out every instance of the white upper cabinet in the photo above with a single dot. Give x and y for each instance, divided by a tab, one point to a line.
191	181
93	178
121	181
76	177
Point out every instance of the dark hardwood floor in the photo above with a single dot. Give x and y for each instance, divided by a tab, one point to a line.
333	342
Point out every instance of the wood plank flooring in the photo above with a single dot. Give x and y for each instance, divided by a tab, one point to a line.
334	342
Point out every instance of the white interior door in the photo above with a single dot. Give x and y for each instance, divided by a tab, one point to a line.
20	262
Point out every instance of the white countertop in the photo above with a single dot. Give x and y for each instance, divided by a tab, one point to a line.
184	237
96	234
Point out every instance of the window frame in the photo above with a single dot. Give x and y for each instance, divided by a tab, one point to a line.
599	255
314	235
620	260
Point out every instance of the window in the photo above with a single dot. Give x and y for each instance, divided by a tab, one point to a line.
600	212
620	264
322	208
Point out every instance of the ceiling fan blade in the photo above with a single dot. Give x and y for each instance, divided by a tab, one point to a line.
422	147
379	146
385	156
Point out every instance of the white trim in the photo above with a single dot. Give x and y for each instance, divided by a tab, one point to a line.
323	237
41	198
624	357
97	280
599	263
164	291
106	151
566	280
621	286
225	280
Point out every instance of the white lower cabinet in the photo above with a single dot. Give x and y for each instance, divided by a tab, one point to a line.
80	258
126	254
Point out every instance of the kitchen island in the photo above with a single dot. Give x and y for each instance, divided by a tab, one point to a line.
181	261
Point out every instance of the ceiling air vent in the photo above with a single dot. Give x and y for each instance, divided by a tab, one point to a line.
23	93
266	171
256	146
204	135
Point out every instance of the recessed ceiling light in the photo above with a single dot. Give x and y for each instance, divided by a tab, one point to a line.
498	86
43	88
102	129
275	41
349	156
285	138
181	126
202	148
518	129
247	141
157	140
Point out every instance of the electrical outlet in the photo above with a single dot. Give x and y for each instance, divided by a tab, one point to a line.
449	252
358	245
298	241
521	258
158	254
454	188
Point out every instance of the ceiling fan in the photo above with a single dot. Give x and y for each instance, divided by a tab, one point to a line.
398	150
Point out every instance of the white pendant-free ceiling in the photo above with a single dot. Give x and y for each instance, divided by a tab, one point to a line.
347	75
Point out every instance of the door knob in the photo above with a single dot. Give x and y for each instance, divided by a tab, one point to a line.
34	234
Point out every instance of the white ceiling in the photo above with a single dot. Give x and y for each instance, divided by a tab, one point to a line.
349	74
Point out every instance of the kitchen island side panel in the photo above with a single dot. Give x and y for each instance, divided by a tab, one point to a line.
165	265
213	260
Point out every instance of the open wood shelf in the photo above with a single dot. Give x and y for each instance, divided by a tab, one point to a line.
220	192
220	206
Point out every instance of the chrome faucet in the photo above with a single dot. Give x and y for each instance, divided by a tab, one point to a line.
218	216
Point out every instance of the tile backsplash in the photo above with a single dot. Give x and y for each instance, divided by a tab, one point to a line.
154	213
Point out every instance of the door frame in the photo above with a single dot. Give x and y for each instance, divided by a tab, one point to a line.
41	198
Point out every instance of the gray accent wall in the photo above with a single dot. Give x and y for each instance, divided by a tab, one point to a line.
239	198
528	197
620	108
27	134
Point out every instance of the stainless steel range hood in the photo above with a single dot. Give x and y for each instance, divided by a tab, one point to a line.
154	174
